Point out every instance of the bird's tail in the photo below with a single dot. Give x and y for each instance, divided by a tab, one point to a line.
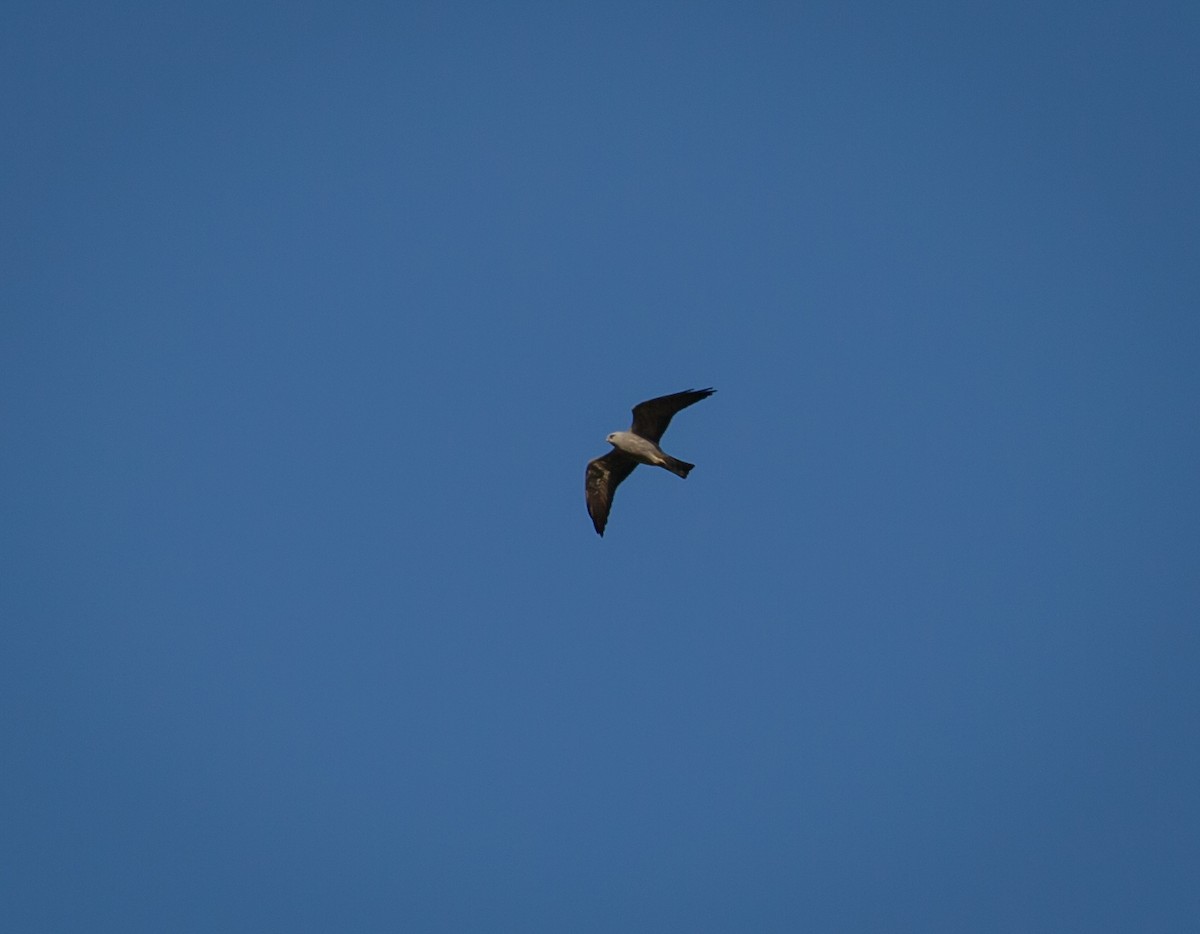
677	467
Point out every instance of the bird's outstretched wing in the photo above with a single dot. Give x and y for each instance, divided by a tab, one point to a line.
651	418
604	474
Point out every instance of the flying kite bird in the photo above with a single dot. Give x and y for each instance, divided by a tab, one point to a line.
639	445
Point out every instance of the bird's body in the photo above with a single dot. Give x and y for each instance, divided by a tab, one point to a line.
639	445
646	452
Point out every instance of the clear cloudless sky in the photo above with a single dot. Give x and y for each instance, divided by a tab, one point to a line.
311	315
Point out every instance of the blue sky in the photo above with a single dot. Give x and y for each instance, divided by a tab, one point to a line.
313	315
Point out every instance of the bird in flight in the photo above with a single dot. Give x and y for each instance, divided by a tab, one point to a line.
639	445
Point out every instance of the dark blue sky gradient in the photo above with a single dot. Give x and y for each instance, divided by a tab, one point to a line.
313	315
